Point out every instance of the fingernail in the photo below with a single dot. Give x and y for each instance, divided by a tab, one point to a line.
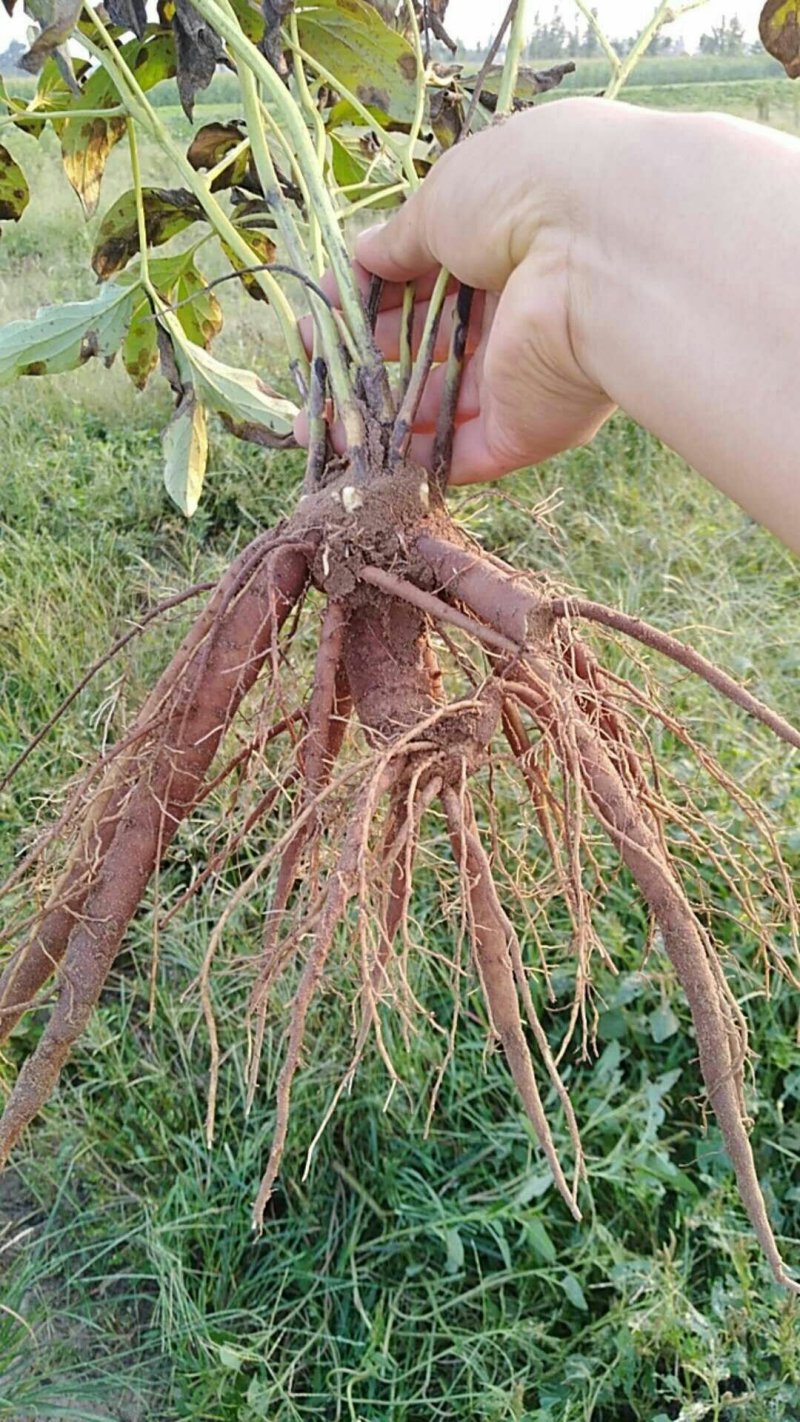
370	231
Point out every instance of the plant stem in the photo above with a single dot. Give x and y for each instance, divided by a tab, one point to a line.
224	21
404	422
56	115
664	14
140	109
419	108
298	256
480	78
514	48
136	174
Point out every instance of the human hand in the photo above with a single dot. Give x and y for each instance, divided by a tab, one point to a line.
500	213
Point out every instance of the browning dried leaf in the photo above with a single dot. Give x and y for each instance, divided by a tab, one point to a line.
167	211
198	49
208	148
779	28
128	14
271	46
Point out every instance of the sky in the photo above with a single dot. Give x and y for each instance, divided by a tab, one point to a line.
474	21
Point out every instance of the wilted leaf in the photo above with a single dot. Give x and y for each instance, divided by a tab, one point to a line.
14	191
167	211
454	1262
779	28
375	62
530	82
201	315
60	338
446	114
57	19
85	146
129	14
208	148
274	12
248	407
263	249
86	143
140	347
185	445
198	50
663	1023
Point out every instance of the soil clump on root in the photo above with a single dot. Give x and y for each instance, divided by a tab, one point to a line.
444	657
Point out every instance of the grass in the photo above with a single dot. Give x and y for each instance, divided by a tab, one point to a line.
409	1278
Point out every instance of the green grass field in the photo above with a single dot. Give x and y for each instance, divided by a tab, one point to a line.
410	1278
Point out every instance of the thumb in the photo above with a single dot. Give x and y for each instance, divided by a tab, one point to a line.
398	250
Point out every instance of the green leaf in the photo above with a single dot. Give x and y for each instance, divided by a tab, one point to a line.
60	338
663	1023
539	1240
248	407
574	1292
14	190
140	348
779	28
374	62
185	445
347	168
166	212
230	1358
251	18
455	1251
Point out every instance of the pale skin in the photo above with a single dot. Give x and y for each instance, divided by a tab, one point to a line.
623	257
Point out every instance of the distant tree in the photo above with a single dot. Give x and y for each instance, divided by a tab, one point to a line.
590	44
10	58
726	38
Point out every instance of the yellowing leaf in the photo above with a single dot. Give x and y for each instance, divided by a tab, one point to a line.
185	445
140	348
263	249
86	143
14	191
374	62
248	406
200	314
166	212
779	28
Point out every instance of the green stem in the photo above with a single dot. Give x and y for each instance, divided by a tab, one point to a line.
419	109
600	35
298	256
56	115
664	14
141	223
514	48
320	137
230	157
247	55
108	55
